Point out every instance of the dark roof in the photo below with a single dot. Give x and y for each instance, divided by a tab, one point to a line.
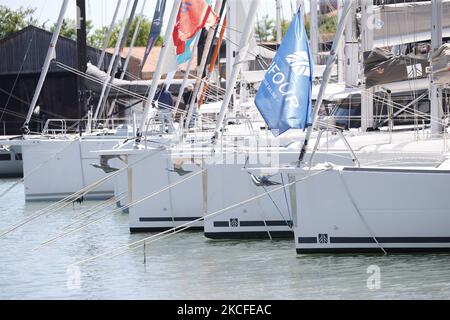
24	51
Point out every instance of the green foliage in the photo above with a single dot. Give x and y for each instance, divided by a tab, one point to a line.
327	23
142	37
284	28
264	29
69	28
15	20
97	38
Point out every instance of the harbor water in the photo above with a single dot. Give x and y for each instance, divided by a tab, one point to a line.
189	266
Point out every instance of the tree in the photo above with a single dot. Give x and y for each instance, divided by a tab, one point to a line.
141	40
69	28
97	38
284	28
15	20
328	23
264	29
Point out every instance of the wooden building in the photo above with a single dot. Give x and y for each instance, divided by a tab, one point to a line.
22	57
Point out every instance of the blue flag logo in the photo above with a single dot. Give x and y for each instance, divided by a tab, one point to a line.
284	97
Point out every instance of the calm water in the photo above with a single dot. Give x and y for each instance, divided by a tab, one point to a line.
188	266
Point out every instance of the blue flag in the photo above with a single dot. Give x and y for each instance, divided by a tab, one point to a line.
155	29
284	97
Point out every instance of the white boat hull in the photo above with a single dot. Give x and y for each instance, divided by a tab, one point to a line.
162	209
371	210
270	216
55	169
267	217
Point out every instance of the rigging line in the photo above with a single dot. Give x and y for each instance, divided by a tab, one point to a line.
249	51
26	103
79	228
106	203
17	78
286	198
185	226
22	65
125	207
96	209
130	93
61	204
371	233
96	80
137	96
277	207
397	105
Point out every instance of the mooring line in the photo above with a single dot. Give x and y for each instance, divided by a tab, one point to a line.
64	202
45	243
84	216
159	236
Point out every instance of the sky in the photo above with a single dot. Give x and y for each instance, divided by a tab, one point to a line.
100	12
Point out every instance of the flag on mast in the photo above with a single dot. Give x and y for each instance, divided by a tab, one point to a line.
155	29
192	17
284	97
189	23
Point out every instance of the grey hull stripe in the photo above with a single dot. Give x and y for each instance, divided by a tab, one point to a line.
394	170
167	219
365	240
256	223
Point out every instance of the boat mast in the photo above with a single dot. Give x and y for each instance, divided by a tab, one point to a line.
129	54
81	55
239	60
351	51
279	22
159	69
314	38
213	61
113	64
348	55
201	68
108	36
186	76
133	41
341	58
436	111
327	74
301	5
51	54
367	26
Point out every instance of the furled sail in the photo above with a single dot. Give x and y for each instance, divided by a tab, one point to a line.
381	67
136	86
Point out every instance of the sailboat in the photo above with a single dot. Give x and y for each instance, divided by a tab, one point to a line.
272	214
60	162
379	208
153	200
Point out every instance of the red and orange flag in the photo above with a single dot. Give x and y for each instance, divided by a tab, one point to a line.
192	16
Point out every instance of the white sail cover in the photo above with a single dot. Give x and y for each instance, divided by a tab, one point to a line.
136	86
402	23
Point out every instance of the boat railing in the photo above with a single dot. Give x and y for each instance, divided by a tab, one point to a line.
55	126
72	126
